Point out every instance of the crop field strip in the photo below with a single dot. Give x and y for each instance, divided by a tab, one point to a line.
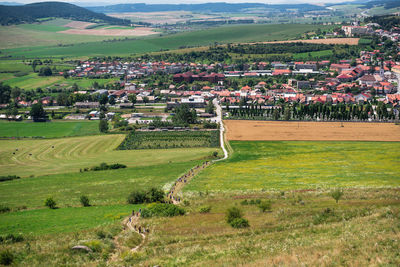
246	130
170	139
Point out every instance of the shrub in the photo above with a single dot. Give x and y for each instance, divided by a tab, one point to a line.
50	202
239	223
244	202
4	209
8	178
85	201
162	210
264	206
149	196
104	166
6	257
337	195
10	238
233	213
205	209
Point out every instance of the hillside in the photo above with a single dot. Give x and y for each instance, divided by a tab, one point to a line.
33	12
207	7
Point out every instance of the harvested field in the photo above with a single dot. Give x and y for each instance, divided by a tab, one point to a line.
310	131
78	24
111	32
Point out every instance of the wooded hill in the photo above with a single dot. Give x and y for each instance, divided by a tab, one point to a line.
33	12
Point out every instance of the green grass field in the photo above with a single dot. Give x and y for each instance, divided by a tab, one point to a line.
290	165
38	157
226	34
73	219
48	129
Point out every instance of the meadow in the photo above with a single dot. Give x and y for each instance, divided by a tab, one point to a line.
48	129
283	165
69	155
226	34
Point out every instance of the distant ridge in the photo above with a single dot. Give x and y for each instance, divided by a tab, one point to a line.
207	7
32	12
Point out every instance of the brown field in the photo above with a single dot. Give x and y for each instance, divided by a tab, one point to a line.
243	130
78	24
112	32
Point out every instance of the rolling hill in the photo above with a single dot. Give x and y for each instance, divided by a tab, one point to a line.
33	12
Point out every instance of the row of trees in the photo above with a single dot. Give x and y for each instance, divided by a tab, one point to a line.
296	111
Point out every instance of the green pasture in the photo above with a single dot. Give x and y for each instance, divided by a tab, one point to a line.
72	219
48	129
32	81
61	155
291	165
226	34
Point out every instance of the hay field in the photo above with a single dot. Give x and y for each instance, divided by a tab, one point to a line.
50	156
311	131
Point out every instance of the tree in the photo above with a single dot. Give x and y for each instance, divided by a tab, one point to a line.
5	93
145	100
103	99
210	107
50	202
12	110
337	195
103	126
37	112
183	115
111	100
45	71
15	93
132	98
85	201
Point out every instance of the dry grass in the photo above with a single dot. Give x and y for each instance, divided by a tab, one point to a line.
310	131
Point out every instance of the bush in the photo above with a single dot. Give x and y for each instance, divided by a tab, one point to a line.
149	196
264	206
104	166
239	223
162	210
50	202
85	201
205	209
6	257
4	209
10	238
8	178
233	213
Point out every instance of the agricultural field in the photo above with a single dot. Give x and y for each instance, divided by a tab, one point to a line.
312	131
170	139
62	155
225	34
285	165
48	129
60	32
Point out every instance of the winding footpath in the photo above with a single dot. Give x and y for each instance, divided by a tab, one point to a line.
132	223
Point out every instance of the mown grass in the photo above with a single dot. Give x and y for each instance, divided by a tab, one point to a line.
226	34
284	165
53	221
69	155
32	81
49	129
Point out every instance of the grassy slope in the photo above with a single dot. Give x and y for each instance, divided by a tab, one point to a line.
228	34
49	129
72	154
283	165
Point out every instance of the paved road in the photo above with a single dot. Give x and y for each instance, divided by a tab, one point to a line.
218	119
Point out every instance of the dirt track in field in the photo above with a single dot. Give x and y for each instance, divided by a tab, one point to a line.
349	41
310	131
